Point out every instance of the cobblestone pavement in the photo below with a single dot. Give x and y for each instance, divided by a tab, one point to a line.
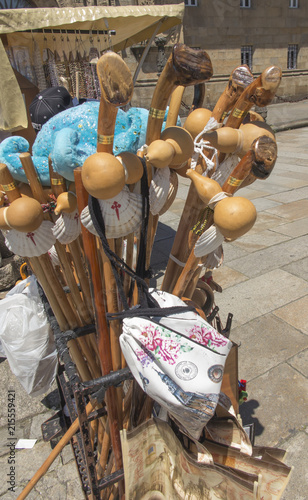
265	285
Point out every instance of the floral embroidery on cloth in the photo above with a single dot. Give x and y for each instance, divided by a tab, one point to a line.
160	341
207	337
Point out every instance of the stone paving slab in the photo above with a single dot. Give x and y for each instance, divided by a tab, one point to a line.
298	268
297	487
271	258
256	241
294	195
269	341
277	405
295	314
291	211
300	362
260	295
264	204
227	277
293	229
26	406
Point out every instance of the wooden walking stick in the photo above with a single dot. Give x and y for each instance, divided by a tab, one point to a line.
239	79
58	186
103	339
257	163
79	311
260	160
184	67
54	454
174	106
77	315
259	93
117	89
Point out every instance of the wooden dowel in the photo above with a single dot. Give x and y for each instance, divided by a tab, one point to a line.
8	184
174	106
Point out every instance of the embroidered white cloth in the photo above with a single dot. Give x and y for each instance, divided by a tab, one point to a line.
178	360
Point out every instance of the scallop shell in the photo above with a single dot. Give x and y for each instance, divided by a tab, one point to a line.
159	189
32	244
67	227
86	221
173	189
52	252
208	241
214	259
122	214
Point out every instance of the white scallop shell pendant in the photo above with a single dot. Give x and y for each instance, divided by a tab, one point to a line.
173	189
86	221
214	259
159	188
122	214
32	244
208	241
67	227
52	252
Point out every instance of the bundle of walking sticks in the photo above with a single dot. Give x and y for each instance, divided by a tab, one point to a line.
220	151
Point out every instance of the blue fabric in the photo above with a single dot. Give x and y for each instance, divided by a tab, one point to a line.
70	137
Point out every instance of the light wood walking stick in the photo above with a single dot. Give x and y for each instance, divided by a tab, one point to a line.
58	186
239	79
54	454
258	163
184	67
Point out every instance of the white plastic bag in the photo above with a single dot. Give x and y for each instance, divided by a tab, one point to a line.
27	338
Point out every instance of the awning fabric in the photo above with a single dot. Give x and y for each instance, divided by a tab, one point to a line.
132	24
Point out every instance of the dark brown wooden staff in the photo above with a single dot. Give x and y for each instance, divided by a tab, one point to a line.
185	66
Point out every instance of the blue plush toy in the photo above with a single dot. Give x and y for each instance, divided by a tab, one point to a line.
70	137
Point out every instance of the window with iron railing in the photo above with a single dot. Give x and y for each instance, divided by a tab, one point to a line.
293	4
245	4
292	56
246	55
191	3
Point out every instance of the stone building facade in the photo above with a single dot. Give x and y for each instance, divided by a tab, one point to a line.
255	32
233	32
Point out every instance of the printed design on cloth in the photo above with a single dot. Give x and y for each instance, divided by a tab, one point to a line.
159	341
207	337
